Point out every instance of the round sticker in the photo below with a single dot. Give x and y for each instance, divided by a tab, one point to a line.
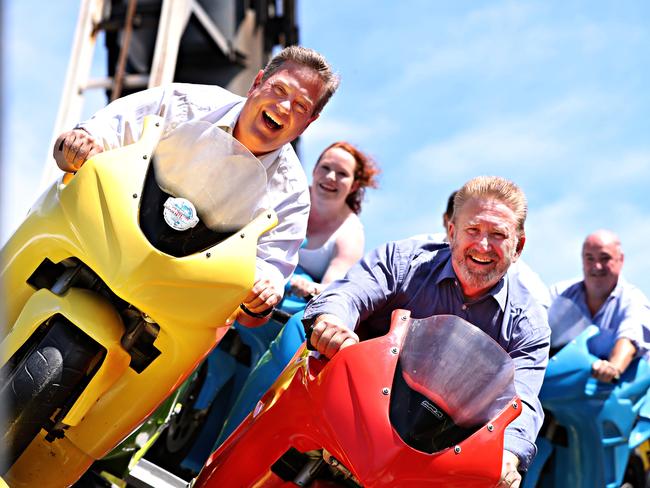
180	214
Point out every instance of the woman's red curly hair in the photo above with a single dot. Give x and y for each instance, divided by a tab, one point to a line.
365	173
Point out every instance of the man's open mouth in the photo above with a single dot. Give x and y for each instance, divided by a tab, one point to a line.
481	261
270	122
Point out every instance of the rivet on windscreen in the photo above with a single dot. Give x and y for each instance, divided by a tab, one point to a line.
403	317
457	449
393	350
385	391
514	405
207	254
242	235
490	427
135	195
145	156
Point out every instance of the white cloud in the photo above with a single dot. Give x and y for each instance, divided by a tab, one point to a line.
326	130
621	169
501	145
519	40
487	149
633	227
485	42
329	129
554	240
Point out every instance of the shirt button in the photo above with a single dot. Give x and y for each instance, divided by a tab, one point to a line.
464	307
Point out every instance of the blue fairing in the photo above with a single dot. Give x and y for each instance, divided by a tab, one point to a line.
231	388
603	422
269	367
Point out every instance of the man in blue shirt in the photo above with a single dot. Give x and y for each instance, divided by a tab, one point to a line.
468	278
619	309
518	271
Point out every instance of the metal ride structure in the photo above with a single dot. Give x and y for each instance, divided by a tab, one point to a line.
154	42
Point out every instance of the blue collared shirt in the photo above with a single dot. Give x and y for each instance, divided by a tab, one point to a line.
625	314
417	275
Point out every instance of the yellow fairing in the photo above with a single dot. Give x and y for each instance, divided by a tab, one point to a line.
79	307
94	217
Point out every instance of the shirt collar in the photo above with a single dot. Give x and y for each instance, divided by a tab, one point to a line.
616	292
447	272
499	291
618	289
227	123
228	120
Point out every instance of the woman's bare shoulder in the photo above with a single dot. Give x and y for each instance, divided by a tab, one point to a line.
351	233
351	224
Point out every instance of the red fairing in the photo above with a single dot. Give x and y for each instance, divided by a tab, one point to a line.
342	406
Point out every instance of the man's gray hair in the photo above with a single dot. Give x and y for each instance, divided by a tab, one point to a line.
495	187
311	59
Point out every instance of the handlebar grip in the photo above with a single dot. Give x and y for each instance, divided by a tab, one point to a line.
309	328
309	345
280	316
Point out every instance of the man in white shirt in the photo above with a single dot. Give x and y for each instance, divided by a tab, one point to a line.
284	99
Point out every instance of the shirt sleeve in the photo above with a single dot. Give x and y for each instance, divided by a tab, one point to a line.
635	322
277	249
367	287
288	195
121	122
529	349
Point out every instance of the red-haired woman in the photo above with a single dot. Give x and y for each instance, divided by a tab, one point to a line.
335	237
335	241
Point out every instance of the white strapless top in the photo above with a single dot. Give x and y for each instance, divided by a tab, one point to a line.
316	261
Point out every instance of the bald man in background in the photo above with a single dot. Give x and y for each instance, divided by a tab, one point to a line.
606	299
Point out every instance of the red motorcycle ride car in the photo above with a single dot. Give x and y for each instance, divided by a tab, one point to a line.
424	405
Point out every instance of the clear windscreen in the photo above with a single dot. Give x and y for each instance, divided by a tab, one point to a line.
200	162
451	379
566	321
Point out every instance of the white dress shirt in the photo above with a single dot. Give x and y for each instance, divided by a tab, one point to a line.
121	123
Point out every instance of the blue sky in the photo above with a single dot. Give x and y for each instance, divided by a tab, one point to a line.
553	95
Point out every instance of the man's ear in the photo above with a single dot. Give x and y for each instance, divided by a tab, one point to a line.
257	81
451	231
520	245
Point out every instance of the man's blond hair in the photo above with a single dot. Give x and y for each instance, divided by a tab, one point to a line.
498	188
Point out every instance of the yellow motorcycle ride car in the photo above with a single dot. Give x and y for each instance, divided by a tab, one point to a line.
118	284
